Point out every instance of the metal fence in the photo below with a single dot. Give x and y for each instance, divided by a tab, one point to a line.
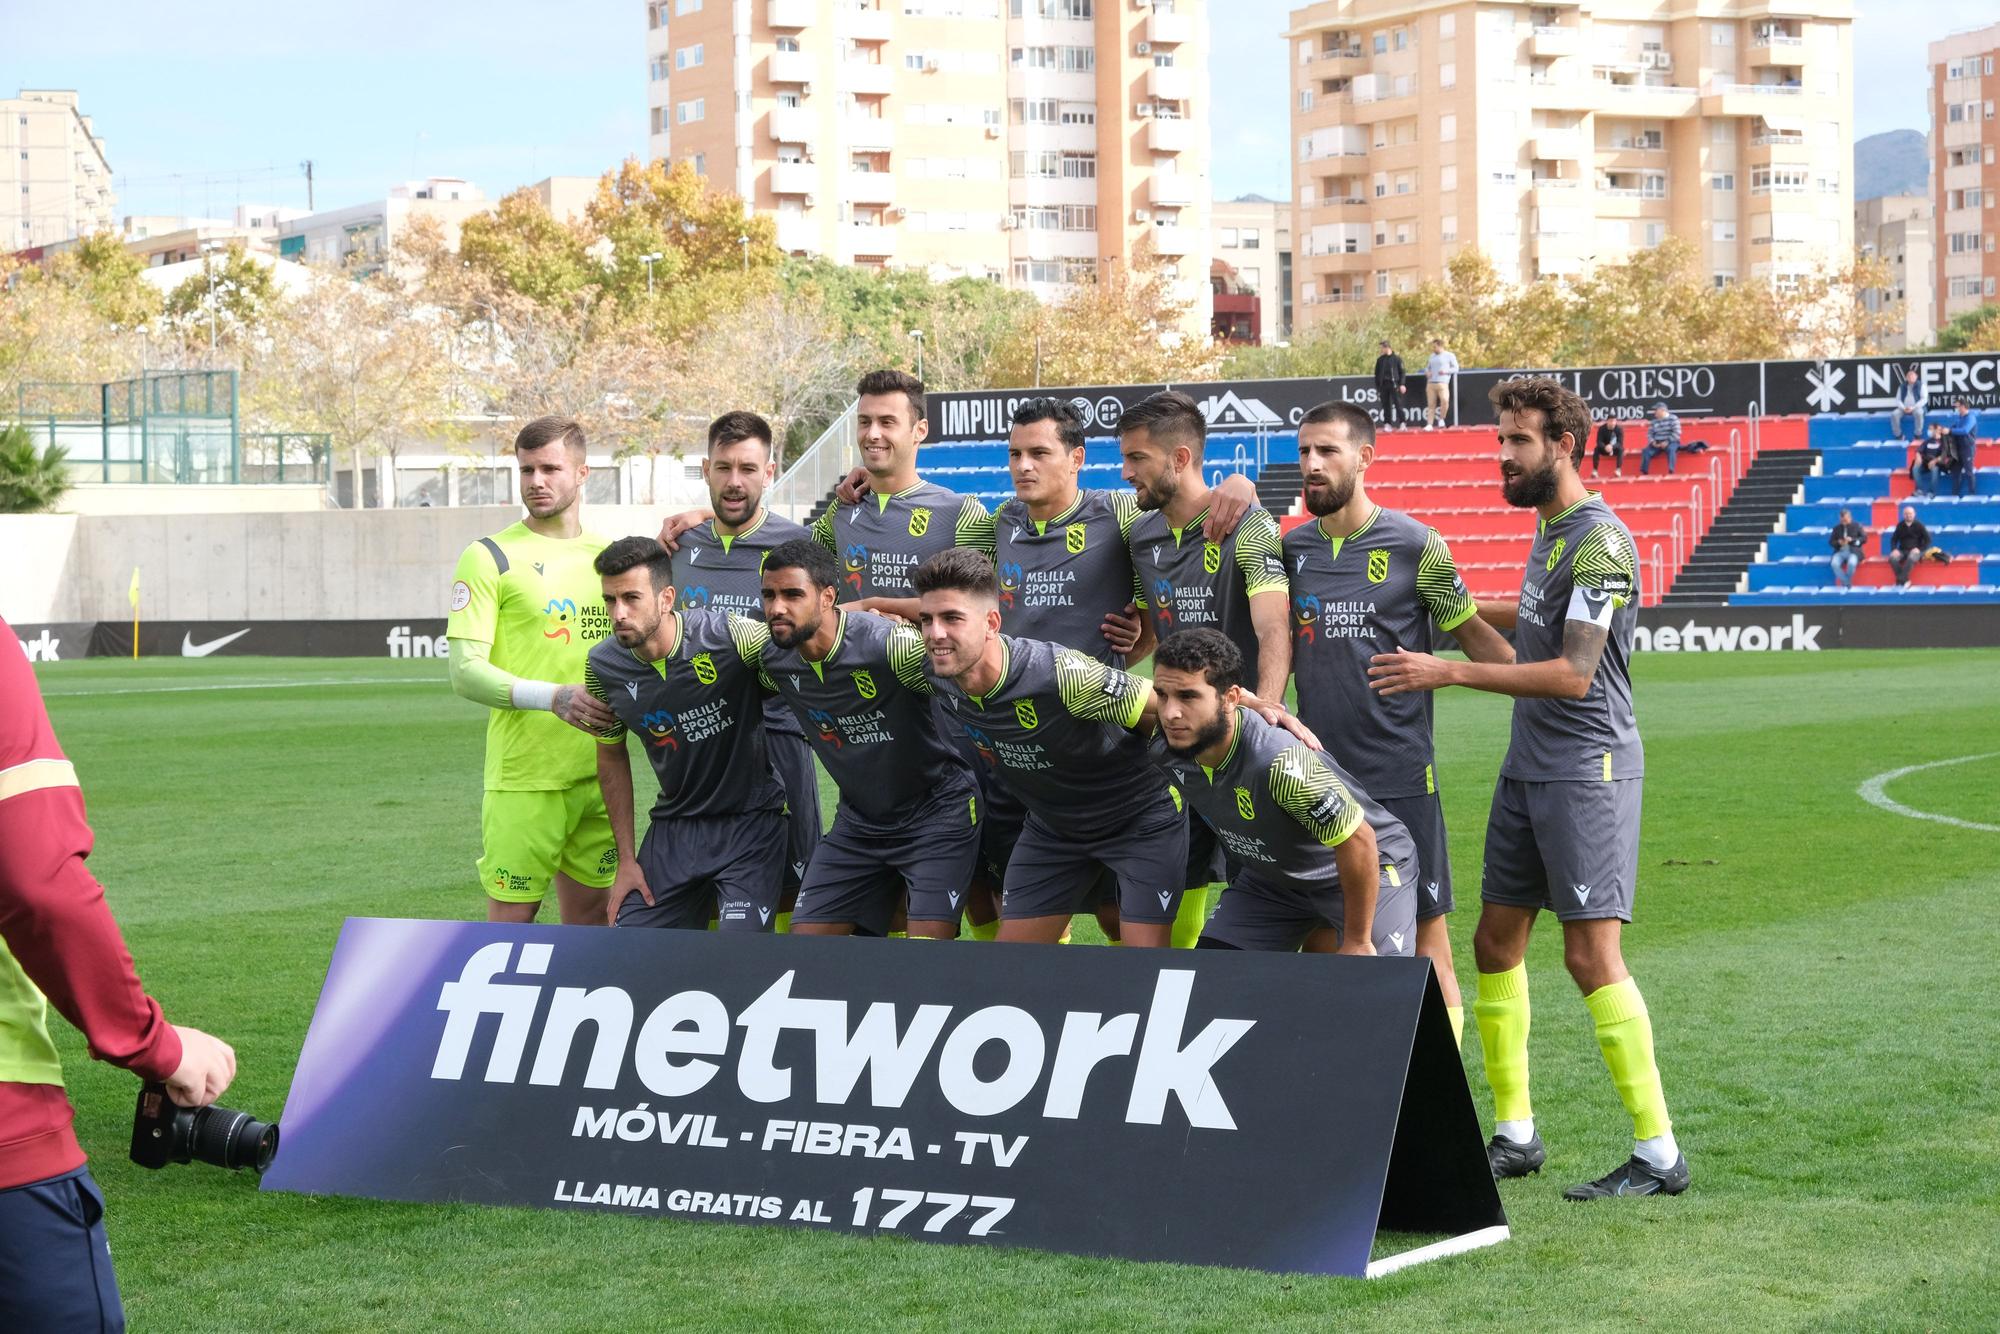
166	426
287	456
813	473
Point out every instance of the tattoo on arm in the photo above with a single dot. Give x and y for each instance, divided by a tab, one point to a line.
1583	646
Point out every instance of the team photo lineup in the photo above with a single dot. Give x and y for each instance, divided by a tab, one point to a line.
963	680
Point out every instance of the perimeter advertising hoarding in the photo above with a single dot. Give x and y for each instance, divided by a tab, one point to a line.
1261	1111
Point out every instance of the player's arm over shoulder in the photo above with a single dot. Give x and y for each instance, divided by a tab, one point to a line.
1098	693
1313	794
905	648
1260	554
976	527
750	638
614	731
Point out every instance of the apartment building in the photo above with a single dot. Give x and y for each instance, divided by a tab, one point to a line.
1556	136
1897	230
55	181
362	235
1964	176
1035	141
1251	272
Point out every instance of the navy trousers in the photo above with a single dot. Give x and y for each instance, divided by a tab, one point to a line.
55	1265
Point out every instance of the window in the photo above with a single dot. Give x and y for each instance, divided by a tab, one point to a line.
1252	238
1079	166
1448	176
790	98
1049	9
1228	241
1777	180
1656	232
1033	111
1722	34
701	164
1653	185
1448	228
687	6
1079	113
1725	230
1305	99
1447	25
1381	284
1725	180
1448	74
688	57
1381	43
1400	39
687	111
1447	128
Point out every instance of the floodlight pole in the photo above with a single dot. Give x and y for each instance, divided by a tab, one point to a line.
918	334
649	261
744	241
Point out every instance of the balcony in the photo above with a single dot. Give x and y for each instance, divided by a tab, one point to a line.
1169	83
868	25
1655	101
1550	41
791	67
797	235
1169	29
1561	249
794	178
1171	191
1556	192
1170	136
1557	146
793	125
1546	92
869	187
869	80
1779	48
870	135
790	14
1173	240
1721	98
861	240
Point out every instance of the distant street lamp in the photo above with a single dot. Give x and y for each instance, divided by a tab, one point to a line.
918	334
649	261
744	241
208	271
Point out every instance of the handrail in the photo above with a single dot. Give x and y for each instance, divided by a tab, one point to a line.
813	474
1680	541
1659	581
1715	486
1694	511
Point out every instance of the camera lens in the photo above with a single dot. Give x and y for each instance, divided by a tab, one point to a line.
227	1138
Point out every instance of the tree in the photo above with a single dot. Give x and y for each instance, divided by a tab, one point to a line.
963	320
1128	327
1972	331
520	247
1485	321
713	253
1339	345
353	361
31	480
109	279
238	288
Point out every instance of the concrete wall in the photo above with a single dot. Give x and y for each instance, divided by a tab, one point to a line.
323	565
147	498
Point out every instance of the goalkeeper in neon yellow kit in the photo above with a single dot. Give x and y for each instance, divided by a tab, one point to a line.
526	606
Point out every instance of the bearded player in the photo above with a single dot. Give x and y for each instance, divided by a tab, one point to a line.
526	607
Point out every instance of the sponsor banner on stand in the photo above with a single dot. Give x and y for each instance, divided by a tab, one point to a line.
1231	407
1718	389
55	642
1812	628
1869	384
417	638
1257	1110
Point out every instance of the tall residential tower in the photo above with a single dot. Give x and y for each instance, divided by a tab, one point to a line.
1964	176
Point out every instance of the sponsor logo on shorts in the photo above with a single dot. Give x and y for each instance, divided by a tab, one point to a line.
608	860
506	882
1582	894
1396	939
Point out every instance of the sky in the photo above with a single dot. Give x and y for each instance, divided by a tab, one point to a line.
208	103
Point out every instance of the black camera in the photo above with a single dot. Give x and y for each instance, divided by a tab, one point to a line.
165	1132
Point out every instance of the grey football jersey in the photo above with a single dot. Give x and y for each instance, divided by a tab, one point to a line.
1189	581
1280	808
1056	731
700	712
881	541
868	715
1583	565
1376	590
726	573
1061	577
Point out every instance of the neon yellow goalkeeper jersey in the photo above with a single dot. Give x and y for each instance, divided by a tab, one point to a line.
540	603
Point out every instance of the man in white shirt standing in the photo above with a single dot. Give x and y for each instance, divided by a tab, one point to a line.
1439	374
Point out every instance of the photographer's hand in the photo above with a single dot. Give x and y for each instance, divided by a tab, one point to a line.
207	1065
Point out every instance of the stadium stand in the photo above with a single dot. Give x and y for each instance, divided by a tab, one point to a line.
1862	469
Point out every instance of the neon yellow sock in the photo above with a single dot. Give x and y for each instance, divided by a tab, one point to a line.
1456	1013
1501	1010
784	926
1625	1034
982	930
1192	918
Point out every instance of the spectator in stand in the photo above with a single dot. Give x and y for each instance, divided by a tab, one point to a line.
1392	388
1610	444
1960	430
1910	543
1928	460
1909	406
1663	436
1850	544
1440	373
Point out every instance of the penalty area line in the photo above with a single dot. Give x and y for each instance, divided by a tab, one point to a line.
1438	1250
242	685
1875	792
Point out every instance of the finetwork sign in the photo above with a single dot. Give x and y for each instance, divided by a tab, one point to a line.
1145	1107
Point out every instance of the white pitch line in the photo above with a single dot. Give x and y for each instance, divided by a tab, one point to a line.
243	685
1875	793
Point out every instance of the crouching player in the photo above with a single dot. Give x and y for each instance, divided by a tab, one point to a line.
1318	864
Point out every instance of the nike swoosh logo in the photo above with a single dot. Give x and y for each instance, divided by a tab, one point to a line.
190	649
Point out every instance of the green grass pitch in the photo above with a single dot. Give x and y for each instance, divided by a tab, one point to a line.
1824	978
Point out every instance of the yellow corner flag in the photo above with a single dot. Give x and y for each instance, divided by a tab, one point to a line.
134	596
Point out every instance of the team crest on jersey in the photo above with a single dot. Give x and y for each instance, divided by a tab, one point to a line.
559	615
1305	609
1074	536
1211	557
864	684
1556	552
856	560
920	522
1024	714
1010	583
704	668
1244	806
1378	566
659	726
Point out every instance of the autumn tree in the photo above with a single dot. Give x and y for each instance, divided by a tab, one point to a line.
1976	330
1342	344
1483	319
237	288
963	320
1129	326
